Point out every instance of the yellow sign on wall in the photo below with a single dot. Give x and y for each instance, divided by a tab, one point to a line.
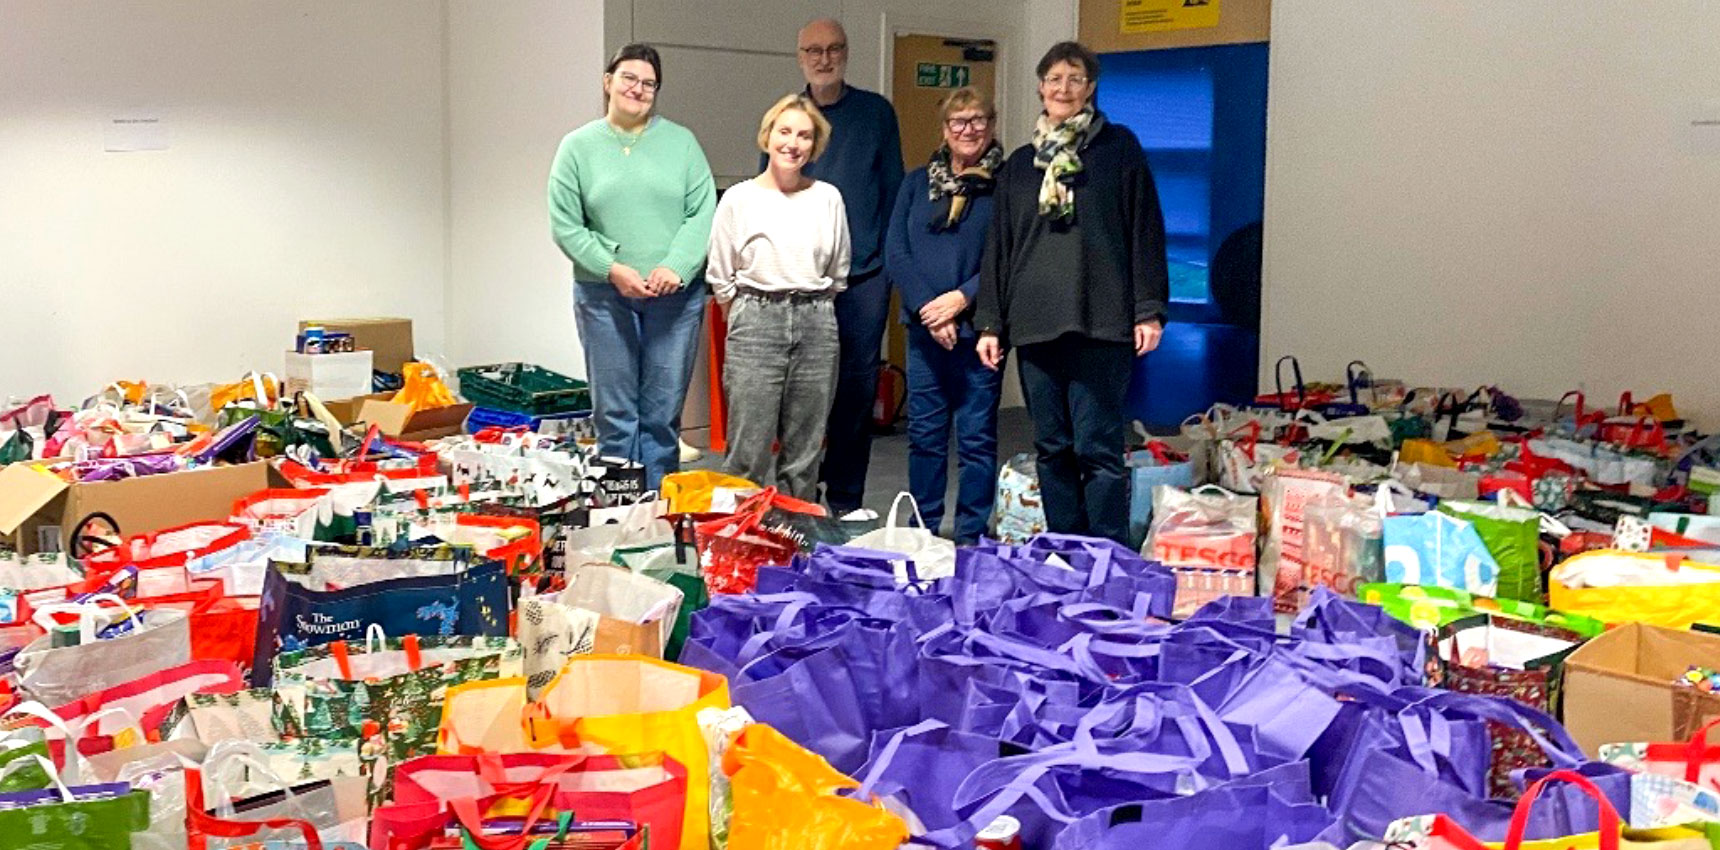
1162	15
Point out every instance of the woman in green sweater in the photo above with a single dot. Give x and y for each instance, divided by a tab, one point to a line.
630	203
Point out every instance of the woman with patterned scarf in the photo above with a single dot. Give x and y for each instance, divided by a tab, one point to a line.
1074	280
932	254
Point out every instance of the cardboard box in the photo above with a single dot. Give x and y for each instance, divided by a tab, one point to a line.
398	420
1619	687
39	511
342	374
389	338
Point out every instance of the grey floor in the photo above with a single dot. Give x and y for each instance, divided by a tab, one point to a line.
889	471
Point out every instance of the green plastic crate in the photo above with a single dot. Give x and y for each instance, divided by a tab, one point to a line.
524	388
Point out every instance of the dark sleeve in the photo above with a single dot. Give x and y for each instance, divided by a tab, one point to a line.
1147	270
763	161
890	150
994	265
899	262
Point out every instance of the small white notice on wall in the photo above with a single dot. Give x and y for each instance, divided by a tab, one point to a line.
1701	130
136	131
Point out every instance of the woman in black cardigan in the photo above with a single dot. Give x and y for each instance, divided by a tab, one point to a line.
1074	279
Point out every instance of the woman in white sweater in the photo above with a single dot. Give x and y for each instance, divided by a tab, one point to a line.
778	257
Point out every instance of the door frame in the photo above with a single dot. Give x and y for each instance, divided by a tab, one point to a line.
912	23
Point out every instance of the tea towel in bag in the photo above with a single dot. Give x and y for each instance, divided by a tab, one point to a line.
398	684
1017	514
933	557
1439	550
116	644
604	609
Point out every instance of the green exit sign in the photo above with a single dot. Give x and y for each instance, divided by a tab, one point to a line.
933	75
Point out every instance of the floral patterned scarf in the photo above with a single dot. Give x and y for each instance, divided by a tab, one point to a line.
1057	152
954	189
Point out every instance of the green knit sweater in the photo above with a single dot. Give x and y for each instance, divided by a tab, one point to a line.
648	208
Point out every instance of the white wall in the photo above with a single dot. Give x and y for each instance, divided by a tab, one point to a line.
305	176
1472	191
521	74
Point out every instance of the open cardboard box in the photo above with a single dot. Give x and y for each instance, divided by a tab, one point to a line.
39	511
389	338
1619	687
398	420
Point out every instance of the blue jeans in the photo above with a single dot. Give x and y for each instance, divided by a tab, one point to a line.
945	387
861	312
639	355
1075	389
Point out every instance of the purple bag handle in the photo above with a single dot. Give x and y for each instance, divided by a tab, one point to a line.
1555	741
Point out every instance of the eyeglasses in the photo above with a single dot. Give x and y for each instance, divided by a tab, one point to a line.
961	125
629	80
818	52
1057	82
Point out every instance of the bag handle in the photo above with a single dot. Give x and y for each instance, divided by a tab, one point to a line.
202	824
47	765
1610	827
86	612
1697	751
1278	380
895	506
467	814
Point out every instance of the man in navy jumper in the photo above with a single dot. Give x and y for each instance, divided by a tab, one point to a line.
864	162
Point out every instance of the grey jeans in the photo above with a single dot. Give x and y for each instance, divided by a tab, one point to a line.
779	373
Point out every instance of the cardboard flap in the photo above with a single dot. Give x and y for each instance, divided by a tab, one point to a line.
25	490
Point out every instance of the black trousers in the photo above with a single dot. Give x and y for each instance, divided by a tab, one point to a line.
1076	389
862	310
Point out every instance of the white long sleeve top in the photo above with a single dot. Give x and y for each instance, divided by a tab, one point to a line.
766	240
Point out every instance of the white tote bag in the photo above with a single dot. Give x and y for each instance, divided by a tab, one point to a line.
933	556
159	639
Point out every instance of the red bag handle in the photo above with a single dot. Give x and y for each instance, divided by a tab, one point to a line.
470	819
1609	821
1578	394
202	824
1625	403
1697	751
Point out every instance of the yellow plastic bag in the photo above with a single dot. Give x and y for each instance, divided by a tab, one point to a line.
1622	587
616	704
690	492
785	799
422	388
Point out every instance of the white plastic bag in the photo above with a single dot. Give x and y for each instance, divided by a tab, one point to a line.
933	556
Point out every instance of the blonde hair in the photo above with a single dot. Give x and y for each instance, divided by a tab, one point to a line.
803	104
966	97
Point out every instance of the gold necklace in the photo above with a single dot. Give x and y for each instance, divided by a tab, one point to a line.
626	142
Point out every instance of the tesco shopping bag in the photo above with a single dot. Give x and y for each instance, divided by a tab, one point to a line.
1439	550
116	644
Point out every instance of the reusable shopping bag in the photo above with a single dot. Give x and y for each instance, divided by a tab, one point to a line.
431	792
1432	607
785	798
397	684
1253	813
1206	538
692	491
465	599
1285	495
932	557
1513	537
604	609
1621	587
1440	550
321	812
1444	833
76	817
1017	512
731	550
1694	761
1149	467
116	644
612	704
1342	545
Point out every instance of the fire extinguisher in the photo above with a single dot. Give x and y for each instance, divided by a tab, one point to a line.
892	400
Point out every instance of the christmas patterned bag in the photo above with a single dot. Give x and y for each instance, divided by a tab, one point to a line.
397	684
731	550
1504	657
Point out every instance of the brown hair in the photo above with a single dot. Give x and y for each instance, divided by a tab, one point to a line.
640	52
966	97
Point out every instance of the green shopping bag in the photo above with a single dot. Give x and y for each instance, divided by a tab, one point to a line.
1513	536
1435	607
83	817
677	564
